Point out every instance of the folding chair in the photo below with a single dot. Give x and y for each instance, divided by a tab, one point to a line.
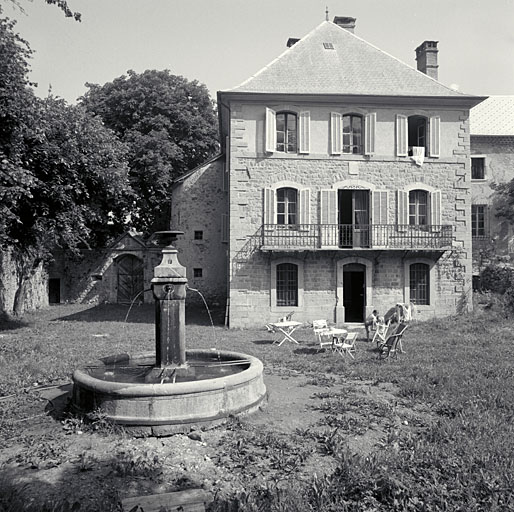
322	331
380	335
393	344
346	345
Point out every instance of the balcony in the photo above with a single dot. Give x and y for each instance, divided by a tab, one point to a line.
276	237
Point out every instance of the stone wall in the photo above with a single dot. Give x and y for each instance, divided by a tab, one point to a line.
198	204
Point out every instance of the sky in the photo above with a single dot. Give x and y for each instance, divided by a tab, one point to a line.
221	43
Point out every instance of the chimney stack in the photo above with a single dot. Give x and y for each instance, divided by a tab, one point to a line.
426	58
291	41
345	22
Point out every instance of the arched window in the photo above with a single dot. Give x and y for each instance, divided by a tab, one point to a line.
287	284
419	283
352	134
417	133
418	207
287	206
286	132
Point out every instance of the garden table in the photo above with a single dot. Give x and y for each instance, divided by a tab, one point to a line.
286	328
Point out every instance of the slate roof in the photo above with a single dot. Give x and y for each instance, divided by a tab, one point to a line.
494	116
354	67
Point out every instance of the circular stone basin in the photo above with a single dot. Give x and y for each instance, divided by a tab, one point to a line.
213	386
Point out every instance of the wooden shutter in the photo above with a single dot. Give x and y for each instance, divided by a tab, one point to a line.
269	207
435	208
380	207
335	133
305	206
369	134
271	131
304	132
402	207
435	136
328	215
401	135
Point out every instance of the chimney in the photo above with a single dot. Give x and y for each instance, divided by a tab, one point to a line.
426	58
345	22
291	41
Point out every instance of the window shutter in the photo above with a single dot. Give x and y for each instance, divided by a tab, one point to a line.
305	132
271	130
269	207
402	209
329	235
435	208
369	136
401	135
380	207
224	227
435	136
305	206
335	133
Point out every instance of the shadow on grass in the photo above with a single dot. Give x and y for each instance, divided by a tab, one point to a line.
263	342
307	350
8	323
140	313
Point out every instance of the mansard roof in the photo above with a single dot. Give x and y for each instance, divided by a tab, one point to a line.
350	66
494	116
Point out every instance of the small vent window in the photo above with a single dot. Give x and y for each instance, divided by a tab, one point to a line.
328	46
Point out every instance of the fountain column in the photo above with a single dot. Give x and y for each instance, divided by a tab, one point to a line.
169	291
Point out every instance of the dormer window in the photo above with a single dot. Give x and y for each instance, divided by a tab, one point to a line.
286	132
352	134
328	46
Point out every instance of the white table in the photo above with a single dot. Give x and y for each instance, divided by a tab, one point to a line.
336	333
286	328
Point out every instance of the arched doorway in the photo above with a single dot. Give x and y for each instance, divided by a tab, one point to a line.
354	292
130	278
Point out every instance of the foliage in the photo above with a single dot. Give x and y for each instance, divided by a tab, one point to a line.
169	125
60	4
497	278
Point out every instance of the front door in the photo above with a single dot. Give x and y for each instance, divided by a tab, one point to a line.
354	292
353	208
130	279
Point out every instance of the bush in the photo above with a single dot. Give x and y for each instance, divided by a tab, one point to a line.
497	278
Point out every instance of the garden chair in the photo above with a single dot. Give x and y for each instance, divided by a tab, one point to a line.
393	344
380	335
346	345
322	331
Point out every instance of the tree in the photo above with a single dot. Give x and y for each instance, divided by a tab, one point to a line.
63	174
169	125
60	4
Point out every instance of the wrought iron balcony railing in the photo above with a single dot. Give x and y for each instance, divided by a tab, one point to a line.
352	236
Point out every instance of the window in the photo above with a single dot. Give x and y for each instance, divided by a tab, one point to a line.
287	206
287	284
478	220
197	272
286	132
328	46
352	134
198	235
477	168
419	283
418	207
417	133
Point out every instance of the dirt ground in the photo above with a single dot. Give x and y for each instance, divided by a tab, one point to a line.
53	457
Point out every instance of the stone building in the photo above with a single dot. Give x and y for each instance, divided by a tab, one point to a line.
343	187
492	161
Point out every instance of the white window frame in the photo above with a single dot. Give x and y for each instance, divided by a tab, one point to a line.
273	285
432	275
484	158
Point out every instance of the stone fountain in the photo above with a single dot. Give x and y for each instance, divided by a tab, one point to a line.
171	390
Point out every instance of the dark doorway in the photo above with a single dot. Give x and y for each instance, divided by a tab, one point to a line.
354	292
54	290
353	206
130	279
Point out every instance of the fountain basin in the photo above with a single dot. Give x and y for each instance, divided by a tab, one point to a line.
171	407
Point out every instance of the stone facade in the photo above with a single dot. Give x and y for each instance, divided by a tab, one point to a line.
253	170
199	209
498	239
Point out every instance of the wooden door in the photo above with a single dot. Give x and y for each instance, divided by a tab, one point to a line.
130	279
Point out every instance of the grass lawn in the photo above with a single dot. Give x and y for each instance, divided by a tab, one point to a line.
431	431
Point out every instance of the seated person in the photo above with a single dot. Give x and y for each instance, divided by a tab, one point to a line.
371	322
